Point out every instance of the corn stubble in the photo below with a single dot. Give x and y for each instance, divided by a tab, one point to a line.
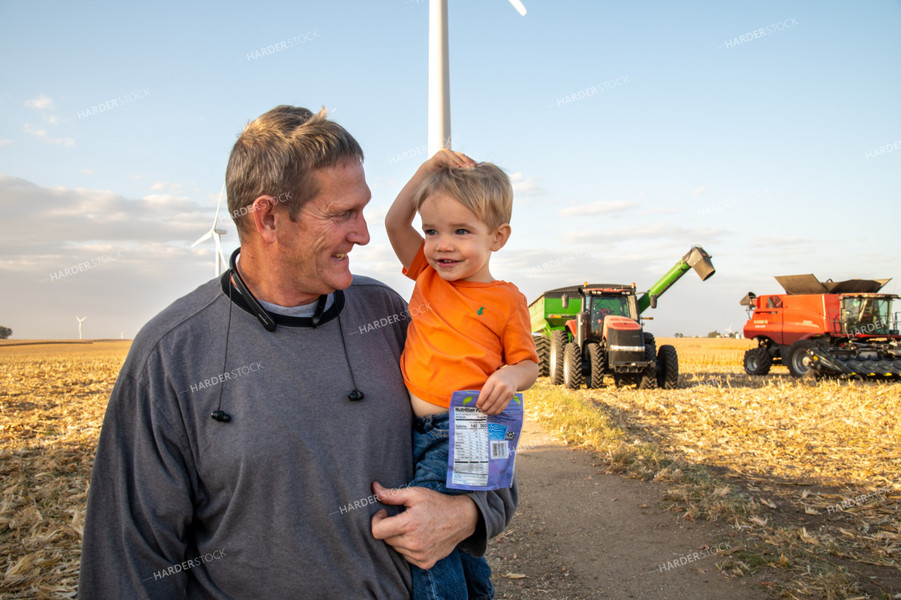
780	460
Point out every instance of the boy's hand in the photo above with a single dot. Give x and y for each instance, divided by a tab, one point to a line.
503	383
447	158
497	392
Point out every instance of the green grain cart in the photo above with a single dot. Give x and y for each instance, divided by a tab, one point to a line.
584	332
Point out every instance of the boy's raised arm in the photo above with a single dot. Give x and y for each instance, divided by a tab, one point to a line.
399	221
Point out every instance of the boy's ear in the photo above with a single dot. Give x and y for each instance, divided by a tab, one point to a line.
501	235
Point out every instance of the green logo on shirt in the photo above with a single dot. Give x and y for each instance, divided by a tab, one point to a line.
480	310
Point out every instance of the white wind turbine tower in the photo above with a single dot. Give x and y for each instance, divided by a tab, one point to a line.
80	321
439	75
216	234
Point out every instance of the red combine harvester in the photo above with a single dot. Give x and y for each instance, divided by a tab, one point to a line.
831	328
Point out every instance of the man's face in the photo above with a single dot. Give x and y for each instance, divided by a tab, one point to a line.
326	229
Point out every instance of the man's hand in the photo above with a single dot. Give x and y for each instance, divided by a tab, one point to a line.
432	525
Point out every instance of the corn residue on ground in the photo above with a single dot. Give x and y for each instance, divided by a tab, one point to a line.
807	474
809	471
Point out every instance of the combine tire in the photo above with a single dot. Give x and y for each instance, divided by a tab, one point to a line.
597	363
555	360
543	348
667	368
798	362
572	366
758	361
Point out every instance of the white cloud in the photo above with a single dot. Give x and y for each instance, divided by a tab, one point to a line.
5	142
86	171
699	191
167	186
525	186
602	207
41	134
42	102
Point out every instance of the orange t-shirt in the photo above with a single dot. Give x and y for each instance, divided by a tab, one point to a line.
461	332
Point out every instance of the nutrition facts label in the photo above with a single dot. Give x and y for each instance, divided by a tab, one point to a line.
471	448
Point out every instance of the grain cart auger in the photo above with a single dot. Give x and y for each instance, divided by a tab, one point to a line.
584	332
831	329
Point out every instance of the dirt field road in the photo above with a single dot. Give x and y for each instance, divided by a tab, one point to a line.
582	534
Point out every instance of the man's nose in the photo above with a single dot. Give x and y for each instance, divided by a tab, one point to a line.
360	233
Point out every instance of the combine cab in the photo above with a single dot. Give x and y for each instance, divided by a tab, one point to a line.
835	329
583	333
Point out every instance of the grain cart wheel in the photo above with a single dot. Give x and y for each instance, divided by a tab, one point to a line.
597	364
798	362
758	361
667	368
572	366
543	348
555	360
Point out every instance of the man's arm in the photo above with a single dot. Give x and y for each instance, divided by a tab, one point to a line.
399	221
433	524
139	480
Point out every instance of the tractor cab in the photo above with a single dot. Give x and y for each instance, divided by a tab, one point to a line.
618	302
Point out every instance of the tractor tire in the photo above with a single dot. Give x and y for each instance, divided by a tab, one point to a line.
597	363
758	361
543	348
648	379
555	359
798	362
667	368
572	366
650	341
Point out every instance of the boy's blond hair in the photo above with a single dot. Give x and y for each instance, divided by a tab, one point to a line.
484	189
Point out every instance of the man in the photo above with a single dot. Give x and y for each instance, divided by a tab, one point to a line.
243	441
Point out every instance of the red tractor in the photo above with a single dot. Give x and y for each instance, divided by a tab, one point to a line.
836	329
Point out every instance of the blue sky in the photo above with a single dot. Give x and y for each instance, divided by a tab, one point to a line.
631	130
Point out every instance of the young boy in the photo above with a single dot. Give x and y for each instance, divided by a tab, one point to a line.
467	330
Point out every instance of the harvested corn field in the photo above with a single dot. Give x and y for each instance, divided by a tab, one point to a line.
809	472
806	474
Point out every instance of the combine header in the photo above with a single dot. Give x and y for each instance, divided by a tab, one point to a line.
832	329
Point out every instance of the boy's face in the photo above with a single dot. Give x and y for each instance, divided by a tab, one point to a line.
458	245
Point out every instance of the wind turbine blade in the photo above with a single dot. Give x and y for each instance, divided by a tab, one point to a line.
219	255
519	7
218	206
203	238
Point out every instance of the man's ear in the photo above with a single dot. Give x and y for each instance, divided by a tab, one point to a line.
263	217
501	235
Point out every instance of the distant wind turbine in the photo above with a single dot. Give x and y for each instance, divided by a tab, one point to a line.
216	234
439	75
80	321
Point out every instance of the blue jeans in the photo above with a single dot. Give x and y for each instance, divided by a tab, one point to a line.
459	575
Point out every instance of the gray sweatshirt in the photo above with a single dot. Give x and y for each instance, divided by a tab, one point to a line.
277	502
